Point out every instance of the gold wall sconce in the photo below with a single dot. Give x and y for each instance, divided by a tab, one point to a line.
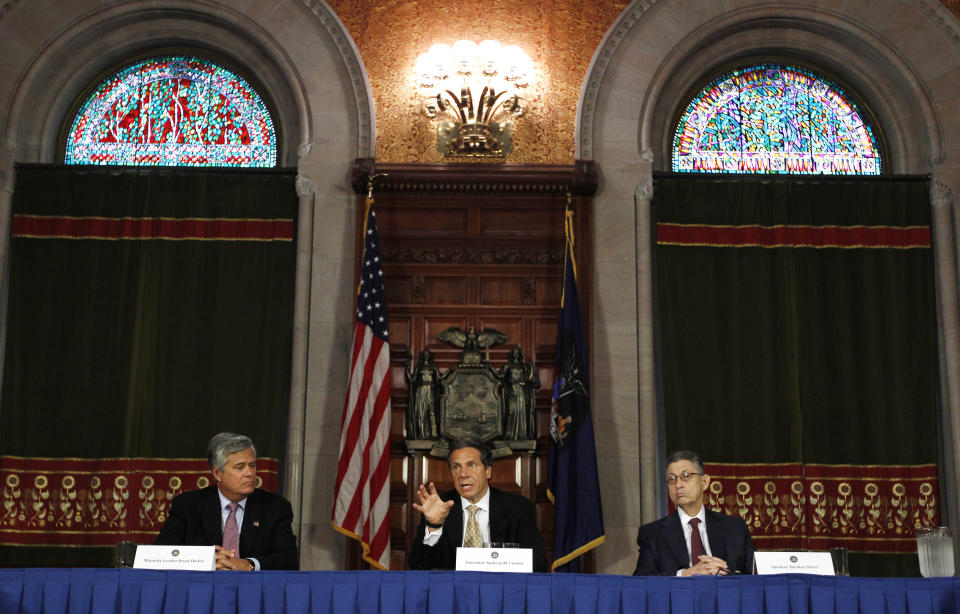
472	92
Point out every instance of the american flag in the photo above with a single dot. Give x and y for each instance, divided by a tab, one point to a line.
361	504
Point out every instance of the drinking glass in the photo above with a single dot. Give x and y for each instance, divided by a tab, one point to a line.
841	561
126	554
935	551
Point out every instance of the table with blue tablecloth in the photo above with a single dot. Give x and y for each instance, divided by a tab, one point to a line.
130	591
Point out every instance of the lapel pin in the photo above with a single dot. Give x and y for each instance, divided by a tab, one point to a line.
256	523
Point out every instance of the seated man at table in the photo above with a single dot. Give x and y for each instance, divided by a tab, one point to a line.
250	527
693	540
472	515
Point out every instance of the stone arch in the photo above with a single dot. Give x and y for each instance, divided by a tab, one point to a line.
898	58
658	74
862	63
93	41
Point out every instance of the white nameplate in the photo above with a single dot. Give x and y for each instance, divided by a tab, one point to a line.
495	559
817	563
195	558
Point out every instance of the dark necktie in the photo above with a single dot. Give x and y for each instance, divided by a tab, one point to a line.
231	532
696	542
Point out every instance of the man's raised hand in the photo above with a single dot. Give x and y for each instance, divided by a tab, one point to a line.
433	508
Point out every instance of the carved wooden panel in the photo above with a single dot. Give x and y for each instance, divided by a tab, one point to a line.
474	245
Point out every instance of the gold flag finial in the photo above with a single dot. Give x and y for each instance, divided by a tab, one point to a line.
370	180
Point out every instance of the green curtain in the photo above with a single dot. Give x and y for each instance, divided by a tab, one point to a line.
798	353
145	347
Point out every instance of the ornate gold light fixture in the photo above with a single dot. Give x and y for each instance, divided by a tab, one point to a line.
472	91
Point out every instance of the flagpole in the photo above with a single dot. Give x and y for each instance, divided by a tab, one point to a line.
366	215
361	508
568	245
572	477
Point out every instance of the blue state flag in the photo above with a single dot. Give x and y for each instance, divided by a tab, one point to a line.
572	483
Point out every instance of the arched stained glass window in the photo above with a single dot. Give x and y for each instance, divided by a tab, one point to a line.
173	111
774	119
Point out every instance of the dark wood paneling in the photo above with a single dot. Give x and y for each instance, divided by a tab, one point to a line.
500	290
400	328
496	222
398	289
446	290
474	245
549	290
422	222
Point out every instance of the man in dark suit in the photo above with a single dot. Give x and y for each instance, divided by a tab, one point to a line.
251	528
471	515
693	540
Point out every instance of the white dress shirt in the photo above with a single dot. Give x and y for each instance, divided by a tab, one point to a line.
483	520
225	512
688	531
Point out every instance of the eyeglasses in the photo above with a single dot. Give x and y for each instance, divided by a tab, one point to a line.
684	476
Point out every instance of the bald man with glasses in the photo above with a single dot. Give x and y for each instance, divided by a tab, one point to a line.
693	540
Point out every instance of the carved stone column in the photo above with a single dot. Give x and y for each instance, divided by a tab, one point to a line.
293	473
649	423
944	243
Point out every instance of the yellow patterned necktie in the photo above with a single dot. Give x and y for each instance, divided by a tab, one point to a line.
472	538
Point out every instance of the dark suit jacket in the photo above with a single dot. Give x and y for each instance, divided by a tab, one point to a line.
663	550
266	534
513	519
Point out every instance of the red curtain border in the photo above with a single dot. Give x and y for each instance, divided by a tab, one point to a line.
84	502
812	506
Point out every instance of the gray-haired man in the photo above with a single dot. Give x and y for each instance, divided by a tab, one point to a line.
693	540
250	527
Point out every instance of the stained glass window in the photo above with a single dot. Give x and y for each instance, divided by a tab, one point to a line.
774	119
173	111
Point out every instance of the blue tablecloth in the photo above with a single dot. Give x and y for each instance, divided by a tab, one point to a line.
129	591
